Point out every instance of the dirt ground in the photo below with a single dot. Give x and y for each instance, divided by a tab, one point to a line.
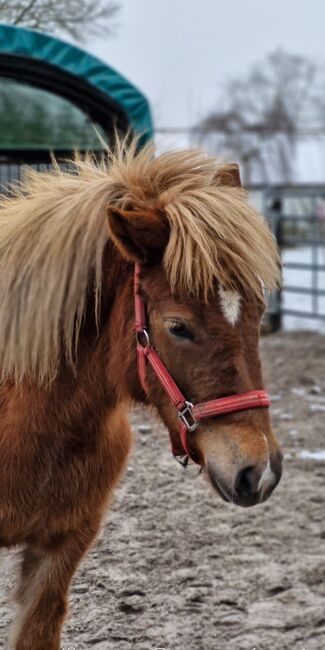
177	569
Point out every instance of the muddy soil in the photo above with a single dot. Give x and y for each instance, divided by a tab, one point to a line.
177	569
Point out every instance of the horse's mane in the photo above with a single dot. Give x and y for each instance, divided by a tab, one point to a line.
53	231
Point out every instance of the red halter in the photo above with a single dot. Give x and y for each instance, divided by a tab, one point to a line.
189	414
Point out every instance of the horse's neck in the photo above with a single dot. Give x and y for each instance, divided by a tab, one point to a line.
105	373
118	330
107	365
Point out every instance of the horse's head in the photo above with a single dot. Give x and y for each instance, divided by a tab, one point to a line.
211	351
201	282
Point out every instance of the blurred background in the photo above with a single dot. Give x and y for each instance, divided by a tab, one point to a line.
245	81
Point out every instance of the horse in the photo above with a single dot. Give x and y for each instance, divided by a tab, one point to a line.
76	244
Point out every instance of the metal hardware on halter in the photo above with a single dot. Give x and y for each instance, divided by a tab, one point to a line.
183	415
182	460
145	334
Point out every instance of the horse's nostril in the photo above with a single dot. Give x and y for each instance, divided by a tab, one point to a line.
246	483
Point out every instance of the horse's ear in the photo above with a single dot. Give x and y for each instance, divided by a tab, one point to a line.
229	175
139	238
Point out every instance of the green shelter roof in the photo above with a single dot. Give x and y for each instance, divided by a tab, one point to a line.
52	64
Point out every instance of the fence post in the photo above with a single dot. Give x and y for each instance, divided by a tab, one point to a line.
275	213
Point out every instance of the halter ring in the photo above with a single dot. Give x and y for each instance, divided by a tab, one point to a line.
143	333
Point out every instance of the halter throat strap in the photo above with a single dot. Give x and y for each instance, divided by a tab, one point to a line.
189	414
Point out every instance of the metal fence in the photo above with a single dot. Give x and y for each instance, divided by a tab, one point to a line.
297	218
13	162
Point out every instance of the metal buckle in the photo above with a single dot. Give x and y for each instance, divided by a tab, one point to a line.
143	343
182	460
183	415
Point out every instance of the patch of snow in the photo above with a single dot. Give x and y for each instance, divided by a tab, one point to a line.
317	408
316	390
144	428
285	416
312	398
298	391
305	454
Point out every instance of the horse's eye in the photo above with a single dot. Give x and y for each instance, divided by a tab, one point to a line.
180	330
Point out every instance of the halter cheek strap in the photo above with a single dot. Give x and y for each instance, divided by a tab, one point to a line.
189	414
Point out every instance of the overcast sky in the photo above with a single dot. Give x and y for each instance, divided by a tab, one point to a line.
179	52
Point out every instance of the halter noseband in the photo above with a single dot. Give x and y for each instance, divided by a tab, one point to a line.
189	414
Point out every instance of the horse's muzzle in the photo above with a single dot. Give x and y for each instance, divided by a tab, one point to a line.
249	485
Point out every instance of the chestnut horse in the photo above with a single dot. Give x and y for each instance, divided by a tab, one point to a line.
68	243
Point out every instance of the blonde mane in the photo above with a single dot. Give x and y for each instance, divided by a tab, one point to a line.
53	230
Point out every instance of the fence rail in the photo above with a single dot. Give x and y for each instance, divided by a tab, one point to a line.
297	218
13	161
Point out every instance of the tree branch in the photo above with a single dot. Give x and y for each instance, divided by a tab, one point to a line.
77	18
25	10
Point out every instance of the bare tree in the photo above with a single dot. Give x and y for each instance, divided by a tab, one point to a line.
78	18
260	117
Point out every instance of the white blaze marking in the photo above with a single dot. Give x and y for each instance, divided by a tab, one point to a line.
230	305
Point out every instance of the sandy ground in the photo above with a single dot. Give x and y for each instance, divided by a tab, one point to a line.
177	569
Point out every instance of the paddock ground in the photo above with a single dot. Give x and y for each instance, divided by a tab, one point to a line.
177	569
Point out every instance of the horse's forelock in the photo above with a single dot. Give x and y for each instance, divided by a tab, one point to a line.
53	231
